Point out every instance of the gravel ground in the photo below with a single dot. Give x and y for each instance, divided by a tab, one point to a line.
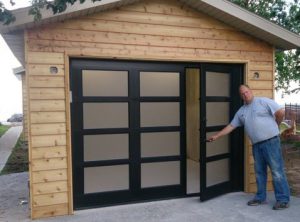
13	193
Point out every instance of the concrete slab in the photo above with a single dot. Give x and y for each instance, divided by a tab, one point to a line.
230	207
13	190
7	143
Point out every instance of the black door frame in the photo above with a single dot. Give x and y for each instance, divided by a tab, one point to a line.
236	138
135	192
109	198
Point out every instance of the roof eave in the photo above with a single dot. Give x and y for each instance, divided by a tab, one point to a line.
25	21
223	10
247	21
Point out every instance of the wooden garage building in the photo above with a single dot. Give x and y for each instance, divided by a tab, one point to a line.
121	94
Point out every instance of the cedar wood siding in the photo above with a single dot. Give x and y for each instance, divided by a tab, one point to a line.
149	30
25	109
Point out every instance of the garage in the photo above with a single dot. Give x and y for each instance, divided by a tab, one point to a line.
120	95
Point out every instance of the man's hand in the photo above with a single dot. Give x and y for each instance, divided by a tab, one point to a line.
223	132
212	138
279	115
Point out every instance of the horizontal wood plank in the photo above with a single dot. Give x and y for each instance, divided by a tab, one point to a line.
50	199
44	69
49	164
142	39
46	81
48	140
199	20
49	152
48	129
91	29
263	92
50	187
46	93
48	176
263	75
259	84
162	7
49	211
155	53
47	105
48	117
53	58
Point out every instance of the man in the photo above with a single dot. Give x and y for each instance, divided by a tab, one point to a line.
260	118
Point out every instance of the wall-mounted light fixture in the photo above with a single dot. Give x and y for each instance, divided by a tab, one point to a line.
53	70
256	75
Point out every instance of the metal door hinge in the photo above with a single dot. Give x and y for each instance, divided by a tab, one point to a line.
70	98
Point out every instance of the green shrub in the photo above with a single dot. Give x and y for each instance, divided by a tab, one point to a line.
18	160
3	129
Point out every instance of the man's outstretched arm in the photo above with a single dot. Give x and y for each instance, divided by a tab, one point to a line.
226	130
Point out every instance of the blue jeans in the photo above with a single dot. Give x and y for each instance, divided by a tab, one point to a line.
268	153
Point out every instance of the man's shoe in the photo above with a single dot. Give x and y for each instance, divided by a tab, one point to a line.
280	205
254	202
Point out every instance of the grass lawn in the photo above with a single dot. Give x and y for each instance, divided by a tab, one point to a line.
18	160
3	129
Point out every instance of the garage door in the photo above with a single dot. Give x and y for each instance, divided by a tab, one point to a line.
128	125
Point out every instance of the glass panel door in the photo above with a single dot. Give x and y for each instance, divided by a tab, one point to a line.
127	131
161	121
218	104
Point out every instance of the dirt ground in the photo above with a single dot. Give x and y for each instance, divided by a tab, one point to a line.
14	196
291	155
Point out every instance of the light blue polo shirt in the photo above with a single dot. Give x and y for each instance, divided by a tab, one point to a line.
258	119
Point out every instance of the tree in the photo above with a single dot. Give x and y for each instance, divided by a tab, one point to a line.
57	6
288	16
277	11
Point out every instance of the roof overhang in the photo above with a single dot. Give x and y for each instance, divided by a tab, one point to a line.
26	21
247	22
15	42
222	10
19	71
13	33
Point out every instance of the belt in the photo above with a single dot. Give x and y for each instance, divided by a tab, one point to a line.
266	140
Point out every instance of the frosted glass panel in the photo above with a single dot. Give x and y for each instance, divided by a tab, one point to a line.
106	178
217	172
217	84
104	83
159	84
160	144
105	115
220	146
105	147
160	114
217	113
160	174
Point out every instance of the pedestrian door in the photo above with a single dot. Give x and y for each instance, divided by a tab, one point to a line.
221	161
128	129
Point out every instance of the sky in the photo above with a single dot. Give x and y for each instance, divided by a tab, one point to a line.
10	86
